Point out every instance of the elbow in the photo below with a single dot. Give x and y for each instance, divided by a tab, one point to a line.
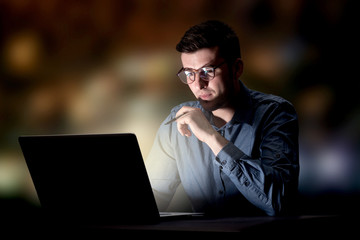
282	204
279	201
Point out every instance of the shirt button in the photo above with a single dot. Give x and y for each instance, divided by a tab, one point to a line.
246	183
221	167
224	162
221	192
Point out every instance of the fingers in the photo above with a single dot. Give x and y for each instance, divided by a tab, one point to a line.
184	129
183	111
182	121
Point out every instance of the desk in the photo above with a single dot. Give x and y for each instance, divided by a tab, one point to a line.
279	227
30	224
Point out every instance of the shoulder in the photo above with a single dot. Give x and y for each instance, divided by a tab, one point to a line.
271	112
264	98
260	99
268	107
189	103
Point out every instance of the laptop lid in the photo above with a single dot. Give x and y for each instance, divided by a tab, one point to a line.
90	178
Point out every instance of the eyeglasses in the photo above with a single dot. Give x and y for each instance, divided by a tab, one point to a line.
187	76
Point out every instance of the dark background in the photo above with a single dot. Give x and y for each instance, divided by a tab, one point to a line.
109	66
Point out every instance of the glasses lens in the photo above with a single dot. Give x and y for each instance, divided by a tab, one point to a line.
207	73
186	76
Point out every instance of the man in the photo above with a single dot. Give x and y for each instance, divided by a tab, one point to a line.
234	150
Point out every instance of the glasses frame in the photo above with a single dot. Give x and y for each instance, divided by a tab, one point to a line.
198	70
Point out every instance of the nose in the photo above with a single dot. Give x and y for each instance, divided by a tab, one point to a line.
199	83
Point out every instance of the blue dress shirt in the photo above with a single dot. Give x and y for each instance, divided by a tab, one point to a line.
255	173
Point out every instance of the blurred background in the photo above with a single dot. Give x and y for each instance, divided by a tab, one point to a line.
96	66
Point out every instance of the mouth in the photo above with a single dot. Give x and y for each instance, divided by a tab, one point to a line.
205	96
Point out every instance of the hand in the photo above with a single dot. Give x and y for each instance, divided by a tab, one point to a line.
195	119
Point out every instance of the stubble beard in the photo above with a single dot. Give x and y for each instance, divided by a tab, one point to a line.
213	105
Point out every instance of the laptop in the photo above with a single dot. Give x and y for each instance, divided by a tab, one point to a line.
91	178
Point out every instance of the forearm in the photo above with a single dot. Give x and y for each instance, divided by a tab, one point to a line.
264	186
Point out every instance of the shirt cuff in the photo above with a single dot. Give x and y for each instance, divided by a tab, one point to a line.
228	156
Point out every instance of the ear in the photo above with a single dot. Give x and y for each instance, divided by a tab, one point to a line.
237	72
238	68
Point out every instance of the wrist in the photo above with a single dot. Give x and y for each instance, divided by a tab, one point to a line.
216	142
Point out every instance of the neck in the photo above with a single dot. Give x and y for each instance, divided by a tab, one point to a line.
223	115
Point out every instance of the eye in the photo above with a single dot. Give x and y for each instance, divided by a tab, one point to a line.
189	73
208	69
207	72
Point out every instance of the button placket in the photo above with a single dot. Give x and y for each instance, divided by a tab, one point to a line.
221	192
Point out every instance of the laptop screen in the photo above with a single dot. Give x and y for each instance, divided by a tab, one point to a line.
90	178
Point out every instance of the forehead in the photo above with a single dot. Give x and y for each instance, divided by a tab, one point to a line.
200	58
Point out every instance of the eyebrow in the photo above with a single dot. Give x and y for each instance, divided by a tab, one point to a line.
209	64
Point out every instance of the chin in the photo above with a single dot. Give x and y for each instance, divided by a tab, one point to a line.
208	105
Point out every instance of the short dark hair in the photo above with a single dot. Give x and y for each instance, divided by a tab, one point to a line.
210	34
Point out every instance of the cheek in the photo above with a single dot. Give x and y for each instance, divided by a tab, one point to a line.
192	88
218	86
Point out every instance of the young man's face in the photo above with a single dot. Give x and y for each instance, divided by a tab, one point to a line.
213	94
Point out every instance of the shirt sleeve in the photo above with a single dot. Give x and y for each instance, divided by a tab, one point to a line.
269	178
162	169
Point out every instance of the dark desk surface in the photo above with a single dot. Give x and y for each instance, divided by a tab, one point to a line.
280	227
25	222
